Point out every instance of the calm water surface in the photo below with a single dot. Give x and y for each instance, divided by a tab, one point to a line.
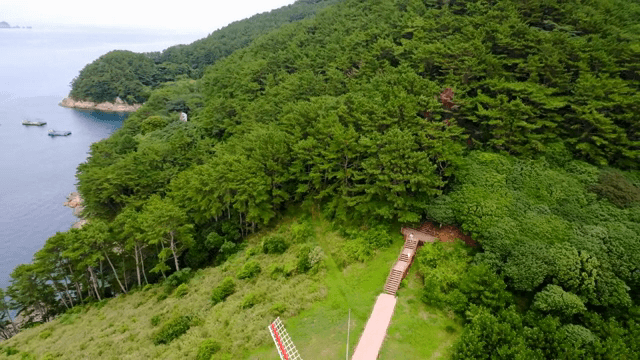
37	172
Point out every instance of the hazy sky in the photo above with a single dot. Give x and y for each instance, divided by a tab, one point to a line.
182	15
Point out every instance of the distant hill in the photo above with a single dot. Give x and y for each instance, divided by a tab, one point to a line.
132	76
4	25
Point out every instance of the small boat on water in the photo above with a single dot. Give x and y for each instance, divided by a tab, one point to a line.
33	123
59	133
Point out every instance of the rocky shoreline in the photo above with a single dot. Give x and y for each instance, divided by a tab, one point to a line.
74	201
117	106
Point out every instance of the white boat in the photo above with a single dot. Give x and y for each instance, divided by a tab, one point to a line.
59	133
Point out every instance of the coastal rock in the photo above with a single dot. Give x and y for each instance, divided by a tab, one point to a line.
74	201
116	106
79	224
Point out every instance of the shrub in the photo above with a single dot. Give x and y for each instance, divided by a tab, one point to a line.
172	330
155	320
228	248
67	319
363	244
316	256
290	269
250	300
278	309
275	271
252	251
181	290
301	232
249	270
214	241
617	189
223	290
179	277
10	350
207	349
274	244
45	334
153	123
304	264
27	356
162	296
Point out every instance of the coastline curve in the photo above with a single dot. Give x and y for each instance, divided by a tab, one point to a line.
116	106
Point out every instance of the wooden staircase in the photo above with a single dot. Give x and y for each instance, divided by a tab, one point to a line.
393	282
399	271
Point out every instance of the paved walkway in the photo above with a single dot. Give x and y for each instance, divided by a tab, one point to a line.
376	329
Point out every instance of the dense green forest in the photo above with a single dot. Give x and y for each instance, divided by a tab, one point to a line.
515	121
132	76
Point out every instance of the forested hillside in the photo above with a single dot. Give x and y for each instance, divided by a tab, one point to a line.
132	76
515	121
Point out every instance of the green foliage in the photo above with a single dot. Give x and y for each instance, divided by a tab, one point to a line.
301	232
442	265
179	277
27	356
45	334
207	348
274	244
181	291
364	243
153	123
121	74
172	329
249	270
304	262
9	350
545	237
223	290
277	309
155	320
553	299
617	189
250	300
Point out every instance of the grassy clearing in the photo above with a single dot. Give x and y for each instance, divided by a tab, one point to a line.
313	306
418	331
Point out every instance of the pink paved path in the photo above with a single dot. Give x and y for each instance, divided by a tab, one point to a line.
376	328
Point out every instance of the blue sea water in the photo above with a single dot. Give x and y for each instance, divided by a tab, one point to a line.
37	172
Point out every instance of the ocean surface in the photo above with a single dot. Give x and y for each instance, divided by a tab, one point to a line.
37	172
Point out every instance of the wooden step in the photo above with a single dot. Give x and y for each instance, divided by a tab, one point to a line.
411	244
390	292
394	286
393	281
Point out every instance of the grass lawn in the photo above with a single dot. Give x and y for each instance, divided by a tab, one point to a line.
418	331
314	308
321	331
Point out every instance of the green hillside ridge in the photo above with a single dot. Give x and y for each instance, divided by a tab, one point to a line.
515	121
131	76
